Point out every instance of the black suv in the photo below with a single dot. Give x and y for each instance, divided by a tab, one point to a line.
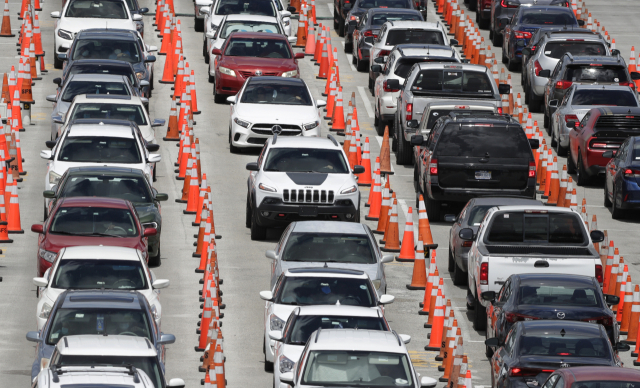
470	156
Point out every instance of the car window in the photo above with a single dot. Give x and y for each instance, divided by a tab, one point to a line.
130	112
94	221
510	341
452	80
636	151
99	149
329	247
596	73
621	154
262	48
550	381
557	295
121	50
477	213
100	274
317	290
288	93
505	292
75	88
518	227
546	17
404	65
305	325
558	49
366	4
307	160
585	119
248	26
604	97
498	140
104	9
566	344
402	36
461	110
379	19
130	188
557	68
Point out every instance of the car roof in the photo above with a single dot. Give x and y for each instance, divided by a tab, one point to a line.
601	87
307	142
581	59
340	310
447	65
93	252
96	376
333	227
553	279
547	8
536	208
325	272
603	373
104	33
261	35
484	118
506	201
414	24
105	170
277	80
101	62
100	299
251	18
105	345
356	340
100	130
98	77
115	203
578	33
547	327
473	103
107	99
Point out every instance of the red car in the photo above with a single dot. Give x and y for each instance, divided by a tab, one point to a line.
601	130
78	221
594	377
247	54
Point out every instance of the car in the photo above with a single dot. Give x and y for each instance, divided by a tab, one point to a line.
621	190
110	107
339	357
245	54
397	66
471	217
600	130
601	70
100	312
590	376
532	296
365	28
116	143
315	243
536	37
497	143
101	66
115	182
299	178
304	320
89	221
361	7
437	82
577	101
524	23
483	12
78	15
503	10
535	349
106	84
314	286
115	44
135	8
108	376
112	350
546	54
527	239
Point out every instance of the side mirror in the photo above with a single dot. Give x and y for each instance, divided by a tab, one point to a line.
292	9
292	39
40	282
615	52
166	339
417	140
149	59
572	124
520	43
608	154
503	21
55	14
379	60
143	10
275	335
406	338
49	194
534	144
216	51
526	51
450	218
205	10
266	295
176	383
253	166
46	154
581	23
553	103
287	377
597	236
428	382
393	84
413	124
37	228
387	259
493	342
57	119
610	299
57	81
546	73
33	336
136	17
160	284
62	57
231	99
321	103
144	83
50	144
152	147
158	122
466	234
622	347
634	75
210	35
386	299
357	169
162	197
453	42
154	158
368	39
270	254
504	89
148	232
51	98
298	56
376	68
489	296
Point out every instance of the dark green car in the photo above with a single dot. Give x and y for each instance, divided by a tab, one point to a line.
114	182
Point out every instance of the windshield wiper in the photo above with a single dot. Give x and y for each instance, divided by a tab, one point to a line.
271	169
65	233
99	234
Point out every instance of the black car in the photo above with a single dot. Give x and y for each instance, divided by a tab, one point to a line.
115	182
99	66
501	12
362	32
622	178
529	297
534	349
470	156
345	11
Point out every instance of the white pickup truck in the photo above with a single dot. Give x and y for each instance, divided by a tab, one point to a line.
527	239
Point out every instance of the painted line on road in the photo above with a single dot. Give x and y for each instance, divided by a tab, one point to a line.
349	59
367	103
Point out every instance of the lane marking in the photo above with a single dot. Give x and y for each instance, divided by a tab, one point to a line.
330	6
367	103
349	59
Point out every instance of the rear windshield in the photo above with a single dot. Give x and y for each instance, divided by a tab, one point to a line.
262	48
402	36
305	325
329	247
120	50
251	7
94	222
565	345
604	97
557	295
518	227
403	66
240	26
547	17
75	88
98	149
453	81
596	73
315	290
383	4
381	18
129	112
499	141
97	9
435	114
558	49
130	188
97	69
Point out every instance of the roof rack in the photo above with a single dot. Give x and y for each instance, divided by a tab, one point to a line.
57	370
333	140
108	96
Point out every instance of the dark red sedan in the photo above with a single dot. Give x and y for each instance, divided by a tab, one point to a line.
89	221
594	377
247	54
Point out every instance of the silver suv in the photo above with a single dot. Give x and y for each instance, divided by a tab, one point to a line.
93	376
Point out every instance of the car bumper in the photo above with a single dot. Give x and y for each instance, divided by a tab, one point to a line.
538	84
226	84
388	105
630	194
464	195
273	212
246	138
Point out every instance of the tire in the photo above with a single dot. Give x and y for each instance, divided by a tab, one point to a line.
404	155
607	201
361	66
154	261
380	127
354	59
348	46
504	57
371	86
258	233
233	149
479	316
452	261
535	103
459	276
616	212
218	98
56	62
433	209
513	67
571	166
489	353
496	39
155	170
247	217
583	178
268	366
198	25
205	54
546	122
483	24
335	23
340	29
212	79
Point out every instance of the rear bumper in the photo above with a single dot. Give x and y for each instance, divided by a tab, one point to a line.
630	195
272	212
438	193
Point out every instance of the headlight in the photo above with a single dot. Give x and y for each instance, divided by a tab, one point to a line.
275	323
154	312
46	255
140	75
351	189
264	187
376	283
46	310
286	365
54	178
242	123
226	71
64	34
292	73
311	125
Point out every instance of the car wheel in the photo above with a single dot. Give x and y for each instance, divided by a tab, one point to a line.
560	150
361	66
513	67
433	209
535	103
616	212
497	39
218	98
348	46
268	366
247	221
258	233
199	25
211	79
452	261
504	57
340	29
204	51
483	24
488	351
404	155
416	183
155	169
582	176
607	201
380	127
554	142
154	261
335	22
546	121
571	166
354	59
479	316
233	149
459	276
57	63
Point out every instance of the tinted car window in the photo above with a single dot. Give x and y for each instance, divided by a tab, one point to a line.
366	4
604	97
279	94
558	49
95	69
305	325
131	188
306	160
253	7
263	48
596	73
435	114
75	88
546	17
329	247
316	290
149	365
97	274
241	26
500	141
557	295
94	221
404	65
130	112
402	36
121	50
380	19
96	9
452	80
99	150
564	346
636	151
517	227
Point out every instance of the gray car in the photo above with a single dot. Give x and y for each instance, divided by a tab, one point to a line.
471	217
579	100
503	10
335	244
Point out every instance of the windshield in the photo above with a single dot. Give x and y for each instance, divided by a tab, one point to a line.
401	36
435	114
329	247
149	365
100	274
606	383
129	112
247	7
379	19
99	149
75	88
306	160
558	49
305	325
289	93
547	17
100	9
262	48
476	141
366	4
566	345
557	295
241	26
94	221
596	73
300	291
99	69
604	97
121	50
477	213
518	227
130	188
453	81
357	369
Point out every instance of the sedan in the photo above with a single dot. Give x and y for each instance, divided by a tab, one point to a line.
501	11
101	66
594	377
622	178
361	9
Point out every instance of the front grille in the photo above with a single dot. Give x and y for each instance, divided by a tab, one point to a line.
533	250
307	196
287	129
247	74
618	122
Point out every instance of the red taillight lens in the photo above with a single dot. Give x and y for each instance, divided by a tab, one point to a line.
388	89
499	111
513	317
522	34
433	167
629	173
537	67
599	273
467	244
568	118
504	3
629	84
604	321
532	169
368	33
519	372
409	111
484	274
353	18
563	84
384	53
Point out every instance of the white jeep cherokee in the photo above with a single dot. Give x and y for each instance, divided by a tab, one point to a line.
300	178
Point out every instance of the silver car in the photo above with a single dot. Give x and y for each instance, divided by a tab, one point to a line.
579	100
547	53
334	244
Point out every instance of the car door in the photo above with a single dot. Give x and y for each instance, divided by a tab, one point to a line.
507	35
615	165
574	138
276	265
498	317
501	358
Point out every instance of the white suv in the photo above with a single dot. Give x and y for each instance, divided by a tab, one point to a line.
93	376
300	178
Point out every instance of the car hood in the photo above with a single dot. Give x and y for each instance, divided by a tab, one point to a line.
319	181
77	24
571	313
292	352
277	114
369	269
282	311
267	65
54	242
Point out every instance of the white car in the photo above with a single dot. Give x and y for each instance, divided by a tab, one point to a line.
117	268
116	107
314	286
114	143
93	376
265	102
78	15
290	342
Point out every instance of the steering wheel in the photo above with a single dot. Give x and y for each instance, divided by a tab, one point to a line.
118	228
128	333
125	281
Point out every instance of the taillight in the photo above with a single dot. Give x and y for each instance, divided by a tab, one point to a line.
484	274
629	84
519	372
629	173
499	111
433	167
537	68
409	111
599	273
353	17
467	244
505	4
568	118
533	49
513	317
563	84
532	169
522	34
368	33
595	144
384	53
388	89
604	321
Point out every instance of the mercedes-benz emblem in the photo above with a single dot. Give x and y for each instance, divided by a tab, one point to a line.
276	129
258	73
561	315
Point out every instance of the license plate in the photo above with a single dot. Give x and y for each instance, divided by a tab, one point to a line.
308	211
483	174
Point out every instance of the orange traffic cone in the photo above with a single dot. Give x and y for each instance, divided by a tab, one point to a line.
407	252
302	34
376	201
385	154
310	47
419	276
440	288
608	265
562	194
554	187
613	274
324	63
428	291
632	332
437	326
627	303
193	191
449	353
392	238
5	31
384	210
14	211
424	229
364	179
338	114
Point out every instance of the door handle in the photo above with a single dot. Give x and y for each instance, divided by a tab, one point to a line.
541	264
